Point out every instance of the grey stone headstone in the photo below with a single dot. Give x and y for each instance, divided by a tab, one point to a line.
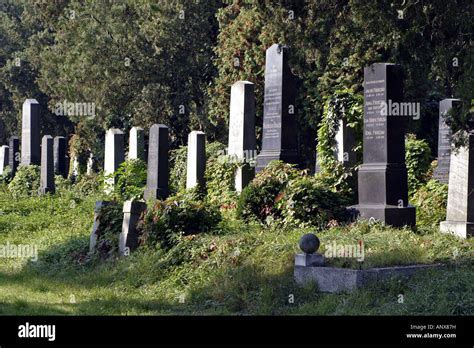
345	142
4	154
460	208
242	131
30	133
136	146
14	154
158	166
47	165
196	160
60	149
441	173
114	153
382	179
128	240
279	141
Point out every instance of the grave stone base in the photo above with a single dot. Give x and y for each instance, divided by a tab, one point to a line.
390	214
333	280
266	157
458	228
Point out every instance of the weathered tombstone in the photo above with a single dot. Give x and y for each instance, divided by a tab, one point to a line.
279	141
242	131
460	209
158	169
136	147
4	154
345	142
114	154
196	160
14	154
30	133
128	240
382	179
60	148
47	166
441	173
97	210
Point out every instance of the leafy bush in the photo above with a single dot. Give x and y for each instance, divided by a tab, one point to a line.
430	201
220	177
26	181
62	184
88	184
418	162
259	198
109	227
347	105
130	180
6	176
178	169
180	215
306	203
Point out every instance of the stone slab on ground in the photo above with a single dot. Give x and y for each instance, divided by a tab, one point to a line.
334	279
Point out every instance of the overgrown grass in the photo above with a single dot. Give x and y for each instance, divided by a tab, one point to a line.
242	269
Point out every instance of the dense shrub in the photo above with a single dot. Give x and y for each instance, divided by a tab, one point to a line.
130	180
306	203
430	201
109	227
26	181
6	176
418	162
220	177
88	184
259	198
180	215
347	105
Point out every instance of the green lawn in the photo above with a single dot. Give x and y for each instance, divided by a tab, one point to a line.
239	270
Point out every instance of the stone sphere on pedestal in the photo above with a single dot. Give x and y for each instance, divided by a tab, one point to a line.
309	243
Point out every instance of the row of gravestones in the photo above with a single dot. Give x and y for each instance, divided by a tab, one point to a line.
382	178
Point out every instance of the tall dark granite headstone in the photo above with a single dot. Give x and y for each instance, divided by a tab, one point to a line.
60	156
382	179
441	173
279	141
14	156
47	165
460	208
158	168
30	133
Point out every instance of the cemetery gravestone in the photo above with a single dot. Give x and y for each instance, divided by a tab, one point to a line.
128	240
4	154
14	154
441	172
136	149
30	133
345	142
279	141
158	168
114	154
196	160
382	179
60	147
460	209
47	166
242	131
